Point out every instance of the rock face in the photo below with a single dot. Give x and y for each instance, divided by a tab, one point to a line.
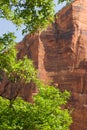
60	55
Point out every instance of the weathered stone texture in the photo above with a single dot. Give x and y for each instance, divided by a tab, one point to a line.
60	55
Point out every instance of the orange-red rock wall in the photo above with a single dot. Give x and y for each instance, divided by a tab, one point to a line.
60	55
62	58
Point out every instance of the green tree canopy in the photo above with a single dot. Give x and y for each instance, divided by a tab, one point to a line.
46	112
34	14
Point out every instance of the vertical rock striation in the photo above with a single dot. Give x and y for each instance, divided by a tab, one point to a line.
60	55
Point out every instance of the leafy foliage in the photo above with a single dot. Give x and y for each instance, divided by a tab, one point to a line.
16	69
44	114
18	72
34	14
60	1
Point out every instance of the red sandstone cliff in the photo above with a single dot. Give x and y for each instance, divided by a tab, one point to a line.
60	55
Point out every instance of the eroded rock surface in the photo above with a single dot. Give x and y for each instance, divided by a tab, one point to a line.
60	55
